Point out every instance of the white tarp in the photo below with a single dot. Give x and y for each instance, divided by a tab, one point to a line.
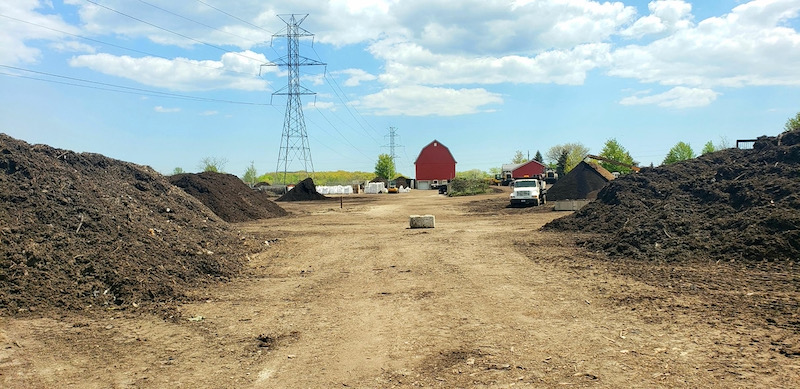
375	188
335	190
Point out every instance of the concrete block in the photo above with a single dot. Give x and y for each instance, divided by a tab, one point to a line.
422	221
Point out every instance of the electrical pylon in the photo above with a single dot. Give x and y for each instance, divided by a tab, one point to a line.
294	141
392	144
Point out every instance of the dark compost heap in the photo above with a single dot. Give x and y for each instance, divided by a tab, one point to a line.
80	230
229	197
731	205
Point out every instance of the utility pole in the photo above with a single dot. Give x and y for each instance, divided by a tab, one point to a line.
294	141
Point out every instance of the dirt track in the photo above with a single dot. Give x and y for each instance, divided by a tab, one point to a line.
353	298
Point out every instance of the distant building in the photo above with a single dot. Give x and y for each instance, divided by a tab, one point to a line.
435	166
530	169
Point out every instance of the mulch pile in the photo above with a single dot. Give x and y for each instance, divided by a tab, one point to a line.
582	182
731	205
80	230
229	197
304	191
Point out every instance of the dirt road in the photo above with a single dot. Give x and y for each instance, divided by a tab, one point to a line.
351	297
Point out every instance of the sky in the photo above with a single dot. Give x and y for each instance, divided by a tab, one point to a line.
169	83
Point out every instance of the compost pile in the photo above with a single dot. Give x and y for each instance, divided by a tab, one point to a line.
731	205
228	197
582	182
304	191
80	230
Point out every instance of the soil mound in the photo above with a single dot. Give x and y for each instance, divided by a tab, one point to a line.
81	229
228	197
741	205
582	182
303	191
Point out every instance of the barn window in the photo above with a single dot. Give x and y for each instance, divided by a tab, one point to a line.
435	144
435	182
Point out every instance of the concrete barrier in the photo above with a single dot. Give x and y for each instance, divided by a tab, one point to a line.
570	205
422	221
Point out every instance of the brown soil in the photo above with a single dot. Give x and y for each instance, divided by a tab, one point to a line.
731	205
351	297
304	191
80	230
229	197
582	182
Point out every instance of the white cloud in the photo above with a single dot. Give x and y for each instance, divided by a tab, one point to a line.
748	46
232	71
408	63
321	105
355	76
209	113
427	101
665	16
22	24
161	109
678	97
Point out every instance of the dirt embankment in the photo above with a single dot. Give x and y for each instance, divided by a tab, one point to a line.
731	205
229	197
79	230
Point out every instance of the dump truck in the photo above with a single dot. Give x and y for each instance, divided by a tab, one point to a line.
528	192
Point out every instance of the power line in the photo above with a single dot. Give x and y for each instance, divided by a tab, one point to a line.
194	63
173	32
117	88
195	21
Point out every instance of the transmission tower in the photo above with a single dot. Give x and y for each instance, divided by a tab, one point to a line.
392	144
294	141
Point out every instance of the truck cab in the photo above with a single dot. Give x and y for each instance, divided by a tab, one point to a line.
528	192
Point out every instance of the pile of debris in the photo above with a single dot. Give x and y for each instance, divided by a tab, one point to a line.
730	205
582	182
80	230
304	191
229	197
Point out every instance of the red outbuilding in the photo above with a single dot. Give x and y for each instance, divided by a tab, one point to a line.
530	169
435	166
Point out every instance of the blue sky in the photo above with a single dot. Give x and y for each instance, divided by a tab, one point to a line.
167	84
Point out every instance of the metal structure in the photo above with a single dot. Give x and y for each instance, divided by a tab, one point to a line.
392	144
294	141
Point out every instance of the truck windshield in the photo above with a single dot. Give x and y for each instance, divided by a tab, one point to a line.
525	184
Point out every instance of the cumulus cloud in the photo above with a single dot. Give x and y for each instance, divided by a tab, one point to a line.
356	76
232	71
748	46
419	100
665	16
408	63
678	97
23	23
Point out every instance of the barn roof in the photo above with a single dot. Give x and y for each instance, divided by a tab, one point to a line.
510	167
435	143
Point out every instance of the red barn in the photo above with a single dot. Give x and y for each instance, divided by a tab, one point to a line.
530	169
435	165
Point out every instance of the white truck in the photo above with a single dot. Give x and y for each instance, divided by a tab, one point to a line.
528	192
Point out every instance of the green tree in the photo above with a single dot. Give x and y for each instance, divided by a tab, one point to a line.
250	175
384	168
538	157
213	164
793	124
519	157
177	170
576	152
708	148
613	150
474	174
561	164
680	152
